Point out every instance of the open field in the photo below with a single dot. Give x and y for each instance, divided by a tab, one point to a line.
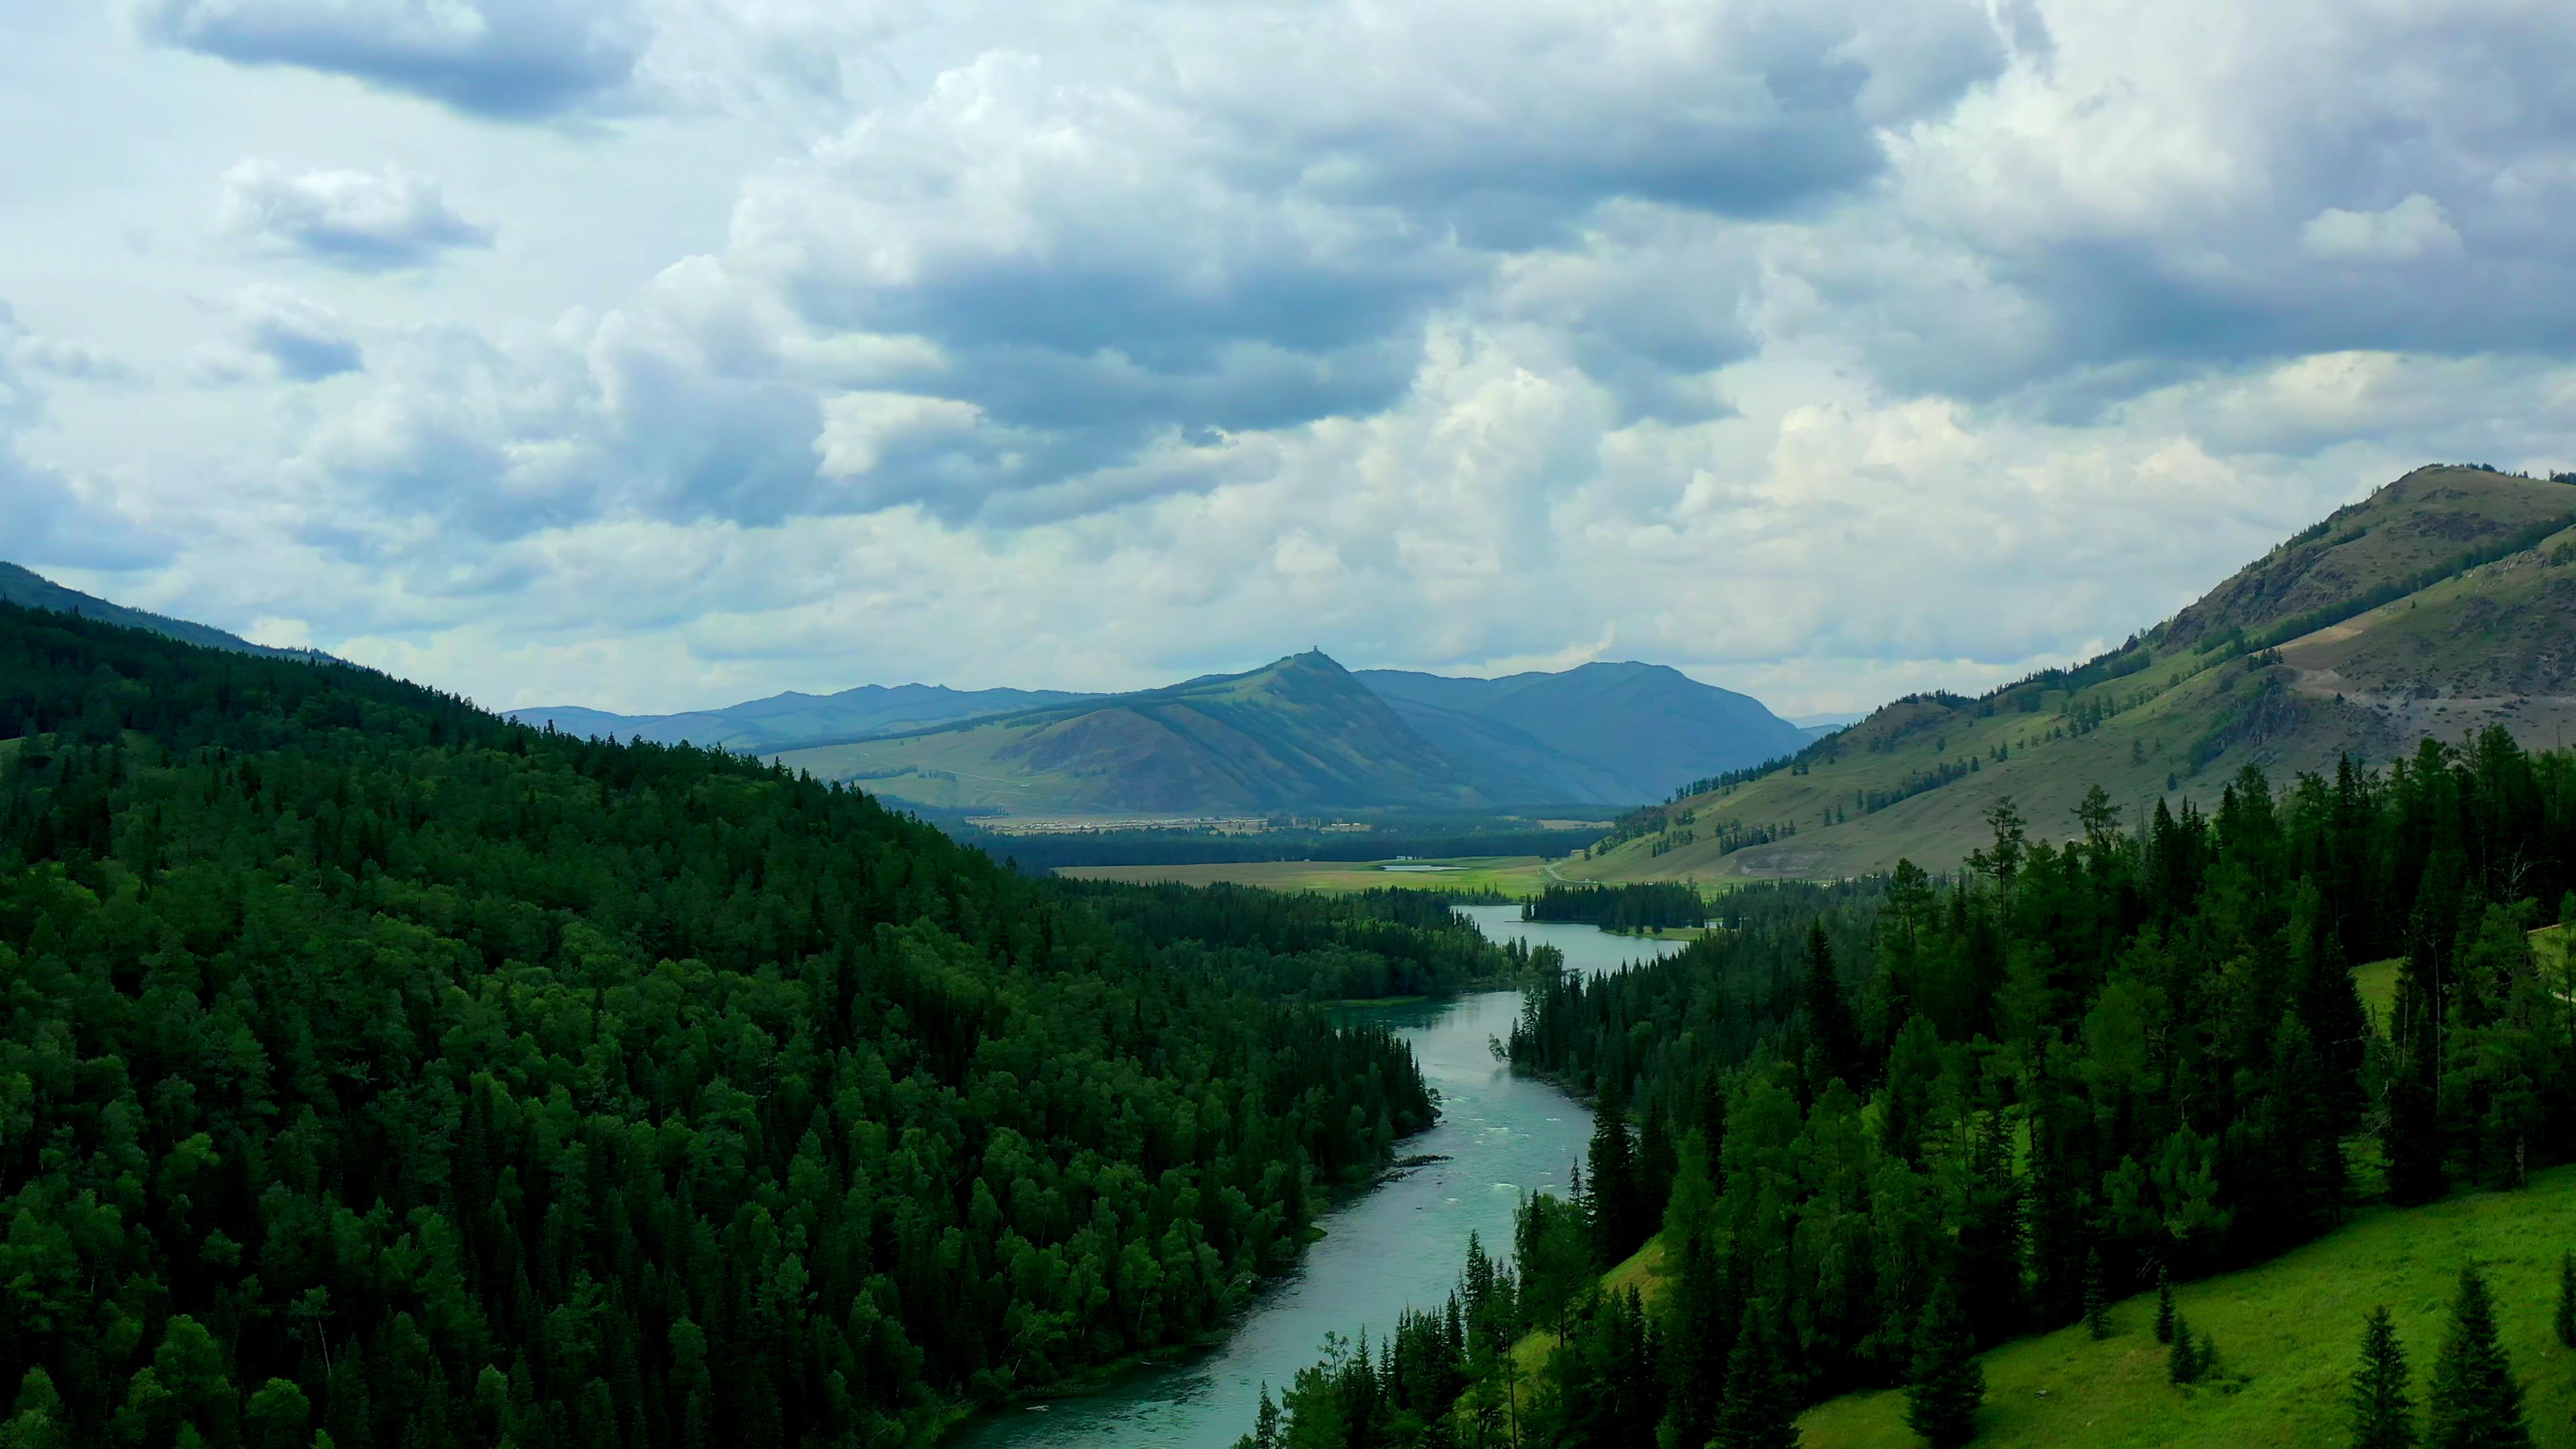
1515	875
2288	1330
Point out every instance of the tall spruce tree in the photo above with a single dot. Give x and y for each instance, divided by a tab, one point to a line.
1831	1033
2383	1412
1761	1408
1700	1344
2164	1305
1946	1383
1619	1220
2474	1402
2182	1360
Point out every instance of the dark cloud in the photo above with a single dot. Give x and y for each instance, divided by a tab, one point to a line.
504	60
355	220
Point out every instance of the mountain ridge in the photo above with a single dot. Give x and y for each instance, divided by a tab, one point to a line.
31	590
2439	605
1299	733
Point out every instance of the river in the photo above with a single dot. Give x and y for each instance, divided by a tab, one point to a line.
1399	1244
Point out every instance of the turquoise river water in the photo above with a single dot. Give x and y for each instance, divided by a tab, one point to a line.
1400	1244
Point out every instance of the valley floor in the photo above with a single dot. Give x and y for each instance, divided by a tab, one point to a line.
1513	875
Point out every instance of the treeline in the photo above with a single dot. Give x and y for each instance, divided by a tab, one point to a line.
1651	905
1040	854
1875	1133
375	1072
1364	944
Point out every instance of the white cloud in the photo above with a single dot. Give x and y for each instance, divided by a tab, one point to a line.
1829	350
358	220
281	334
2413	228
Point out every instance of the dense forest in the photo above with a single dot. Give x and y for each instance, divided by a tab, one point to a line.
1646	906
1361	945
1881	1124
376	1072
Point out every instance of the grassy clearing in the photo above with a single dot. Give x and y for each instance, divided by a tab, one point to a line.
1513	875
2377	983
2287	1333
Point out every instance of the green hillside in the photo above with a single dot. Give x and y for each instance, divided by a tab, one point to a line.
30	590
2439	605
2287	1335
1297	734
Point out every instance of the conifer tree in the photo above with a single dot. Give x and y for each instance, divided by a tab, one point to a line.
1760	1412
2566	1319
2164	1305
2182	1361
1947	1382
2383	1413
2475	1402
1700	1346
1829	1018
2097	1311
1619	1221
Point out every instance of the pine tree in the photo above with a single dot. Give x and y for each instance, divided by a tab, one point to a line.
2475	1402
2566	1320
2097	1311
2182	1361
1759	1412
1947	1382
1619	1221
2383	1415
1829	1018
2164	1306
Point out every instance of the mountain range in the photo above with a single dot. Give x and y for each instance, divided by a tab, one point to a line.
766	725
2443	603
1298	734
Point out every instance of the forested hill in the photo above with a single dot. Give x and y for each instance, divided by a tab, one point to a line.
374	1071
34	591
1874	1126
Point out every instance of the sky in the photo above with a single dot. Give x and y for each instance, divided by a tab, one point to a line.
654	354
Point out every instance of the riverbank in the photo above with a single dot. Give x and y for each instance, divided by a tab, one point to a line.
1399	1244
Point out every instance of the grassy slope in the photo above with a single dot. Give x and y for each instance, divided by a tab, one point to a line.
2288	1329
2159	714
2488	645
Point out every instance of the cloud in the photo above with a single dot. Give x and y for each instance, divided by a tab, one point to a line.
45	517
2413	228
504	60
279	333
356	220
1842	347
